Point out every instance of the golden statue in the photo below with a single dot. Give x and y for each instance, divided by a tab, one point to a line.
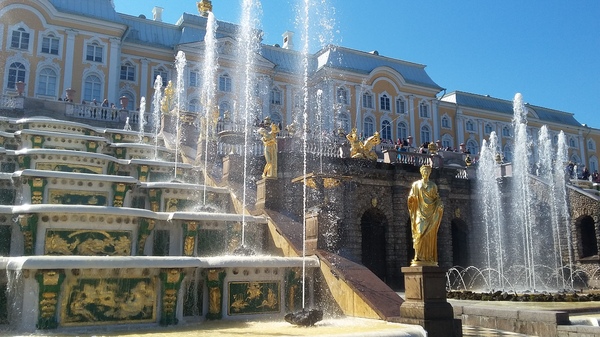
167	100
204	7
270	143
363	150
425	208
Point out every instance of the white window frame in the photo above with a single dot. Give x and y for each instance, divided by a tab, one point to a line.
401	106
367	100
341	95
370	130
425	133
225	83
469	125
84	88
128	65
38	79
402	130
195	79
446	124
385	103
96	44
164	74
424	110
276	96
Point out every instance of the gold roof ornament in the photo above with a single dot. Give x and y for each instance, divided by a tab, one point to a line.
204	7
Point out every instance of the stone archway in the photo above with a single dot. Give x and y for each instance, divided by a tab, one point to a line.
373	224
586	237
460	242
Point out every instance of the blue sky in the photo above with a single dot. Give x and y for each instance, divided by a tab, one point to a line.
547	50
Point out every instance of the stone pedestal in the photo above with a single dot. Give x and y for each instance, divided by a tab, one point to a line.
268	194
425	303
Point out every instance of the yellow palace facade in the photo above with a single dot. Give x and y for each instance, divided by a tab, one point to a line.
86	46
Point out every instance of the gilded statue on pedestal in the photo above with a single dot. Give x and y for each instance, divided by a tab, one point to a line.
425	208
269	139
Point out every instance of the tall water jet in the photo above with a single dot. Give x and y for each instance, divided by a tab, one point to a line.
248	47
209	86
156	104
180	63
142	119
492	216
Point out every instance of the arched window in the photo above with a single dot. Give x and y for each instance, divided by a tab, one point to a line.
386	130
342	95
367	100
446	122
506	131
16	73
46	85
425	134
128	72
591	145
194	105
400	106
368	127
423	110
488	129
50	44
384	103
131	100
572	142
447	141
94	52
225	83
507	153
345	122
402	130
163	74
276	96
224	107
472	146
92	88
593	162
19	39
470	126
276	117
194	78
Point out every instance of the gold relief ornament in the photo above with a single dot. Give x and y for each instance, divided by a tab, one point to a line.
364	149
426	209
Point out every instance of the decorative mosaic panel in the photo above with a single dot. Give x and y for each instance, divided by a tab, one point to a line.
77	197
109	301
68	168
253	297
87	242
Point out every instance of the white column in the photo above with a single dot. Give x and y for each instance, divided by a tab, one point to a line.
69	52
413	115
289	104
114	64
144	72
582	149
460	128
499	135
436	120
357	100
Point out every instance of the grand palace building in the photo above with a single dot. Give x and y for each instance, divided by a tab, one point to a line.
86	46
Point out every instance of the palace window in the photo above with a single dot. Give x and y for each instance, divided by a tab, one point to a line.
470	126
425	134
194	105
591	145
572	142
384	103
472	146
225	83
506	132
224	108
342	95
92	88
16	73
446	141
386	130
488	129
402	130
128	72
367	101
19	39
400	106
46	85
50	44
446	122
194	79
276	96
345	122
368	127
423	110
276	118
131	100
163	74
94	52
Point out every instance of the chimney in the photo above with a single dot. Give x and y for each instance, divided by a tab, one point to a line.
288	42
157	13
